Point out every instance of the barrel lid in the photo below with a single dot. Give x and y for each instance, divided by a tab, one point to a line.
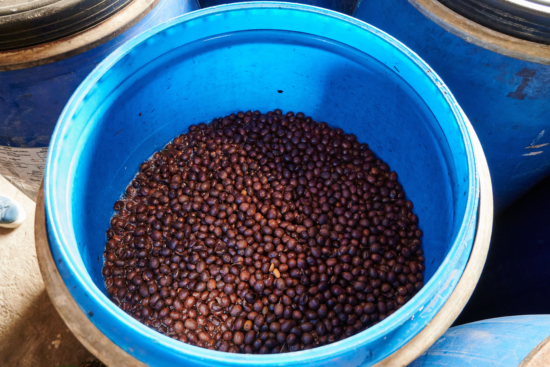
30	22
524	19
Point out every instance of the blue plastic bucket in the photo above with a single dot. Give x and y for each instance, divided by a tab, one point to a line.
502	342
261	56
501	82
32	98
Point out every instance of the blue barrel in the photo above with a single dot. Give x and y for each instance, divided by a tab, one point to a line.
267	55
342	6
501	342
32	97
501	82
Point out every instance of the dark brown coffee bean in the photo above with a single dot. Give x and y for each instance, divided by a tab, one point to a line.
263	234
259	320
191	324
278	310
238	338
236	310
307	338
239	323
291	339
250	337
204	336
369	308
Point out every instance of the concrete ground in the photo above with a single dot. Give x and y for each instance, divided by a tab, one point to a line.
31	331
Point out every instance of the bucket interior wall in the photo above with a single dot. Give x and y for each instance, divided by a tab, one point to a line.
263	70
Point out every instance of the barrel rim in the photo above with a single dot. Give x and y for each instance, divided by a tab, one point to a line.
78	43
23	26
524	19
539	356
481	36
466	227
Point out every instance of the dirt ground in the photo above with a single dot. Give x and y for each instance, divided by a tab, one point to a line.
31	331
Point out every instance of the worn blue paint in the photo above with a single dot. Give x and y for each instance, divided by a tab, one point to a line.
505	99
342	6
32	99
502	342
260	56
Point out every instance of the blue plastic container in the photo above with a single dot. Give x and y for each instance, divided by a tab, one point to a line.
260	56
505	98
502	342
31	99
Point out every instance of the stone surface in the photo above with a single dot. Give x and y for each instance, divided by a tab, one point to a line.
31	331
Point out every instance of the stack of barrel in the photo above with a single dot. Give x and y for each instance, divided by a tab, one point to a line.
494	55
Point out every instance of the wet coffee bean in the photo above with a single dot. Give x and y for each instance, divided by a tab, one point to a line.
263	233
191	324
238	338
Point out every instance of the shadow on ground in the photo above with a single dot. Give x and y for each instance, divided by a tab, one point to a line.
39	337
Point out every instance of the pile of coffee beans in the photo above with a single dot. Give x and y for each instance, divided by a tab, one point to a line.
263	233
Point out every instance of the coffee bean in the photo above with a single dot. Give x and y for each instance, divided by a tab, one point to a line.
307	338
191	324
263	234
249	337
204	336
259	320
291	339
178	327
236	310
238	338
